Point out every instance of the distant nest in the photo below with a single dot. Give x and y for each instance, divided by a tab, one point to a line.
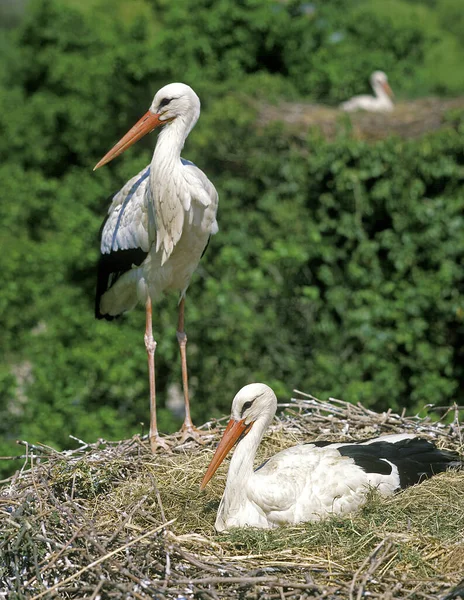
110	520
408	120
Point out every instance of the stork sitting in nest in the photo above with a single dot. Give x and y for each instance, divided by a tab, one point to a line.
310	481
382	101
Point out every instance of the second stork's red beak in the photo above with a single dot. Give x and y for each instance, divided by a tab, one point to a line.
232	433
388	89
147	123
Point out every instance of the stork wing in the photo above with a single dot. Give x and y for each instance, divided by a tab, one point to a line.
128	223
126	235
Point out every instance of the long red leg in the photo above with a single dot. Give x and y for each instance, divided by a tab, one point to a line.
188	430
150	344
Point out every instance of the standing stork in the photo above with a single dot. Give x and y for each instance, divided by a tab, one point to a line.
310	481
157	228
380	102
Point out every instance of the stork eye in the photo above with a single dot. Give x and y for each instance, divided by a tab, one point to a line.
165	102
246	406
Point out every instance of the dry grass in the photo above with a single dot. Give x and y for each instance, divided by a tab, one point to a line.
110	520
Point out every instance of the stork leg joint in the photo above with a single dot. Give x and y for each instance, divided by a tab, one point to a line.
182	338
150	343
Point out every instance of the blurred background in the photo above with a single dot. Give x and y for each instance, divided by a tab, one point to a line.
339	265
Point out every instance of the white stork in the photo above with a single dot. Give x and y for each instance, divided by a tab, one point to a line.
157	229
310	481
381	102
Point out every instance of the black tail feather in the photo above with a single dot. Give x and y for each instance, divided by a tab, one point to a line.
110	268
415	458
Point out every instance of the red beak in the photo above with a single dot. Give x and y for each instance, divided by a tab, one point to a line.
145	125
388	89
232	433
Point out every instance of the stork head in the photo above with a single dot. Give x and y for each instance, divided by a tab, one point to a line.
380	80
173	102
254	403
176	101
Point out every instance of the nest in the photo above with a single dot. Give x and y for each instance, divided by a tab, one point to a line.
408	120
112	520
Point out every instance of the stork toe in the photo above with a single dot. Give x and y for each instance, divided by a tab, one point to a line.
159	444
190	432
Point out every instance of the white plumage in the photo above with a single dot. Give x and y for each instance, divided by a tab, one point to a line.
310	481
381	102
158	227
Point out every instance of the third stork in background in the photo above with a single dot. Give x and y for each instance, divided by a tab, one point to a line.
157	229
381	102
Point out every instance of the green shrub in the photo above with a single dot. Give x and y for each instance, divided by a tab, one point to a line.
338	267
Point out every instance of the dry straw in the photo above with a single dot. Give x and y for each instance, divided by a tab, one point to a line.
110	520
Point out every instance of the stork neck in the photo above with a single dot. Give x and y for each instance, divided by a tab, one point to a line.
171	140
241	464
239	477
380	92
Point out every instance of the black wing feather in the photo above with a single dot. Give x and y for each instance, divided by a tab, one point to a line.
110	268
415	458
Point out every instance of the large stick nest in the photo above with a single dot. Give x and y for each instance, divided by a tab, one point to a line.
111	520
411	119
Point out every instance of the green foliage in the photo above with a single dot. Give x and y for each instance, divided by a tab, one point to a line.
407	41
338	266
325	53
349	266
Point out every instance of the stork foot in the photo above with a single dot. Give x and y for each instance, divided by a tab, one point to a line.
190	432
158	444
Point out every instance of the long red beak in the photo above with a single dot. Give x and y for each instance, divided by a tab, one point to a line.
147	123
232	433
388	89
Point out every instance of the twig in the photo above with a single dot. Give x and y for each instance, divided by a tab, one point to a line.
266	580
51	561
101	559
374	564
97	589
